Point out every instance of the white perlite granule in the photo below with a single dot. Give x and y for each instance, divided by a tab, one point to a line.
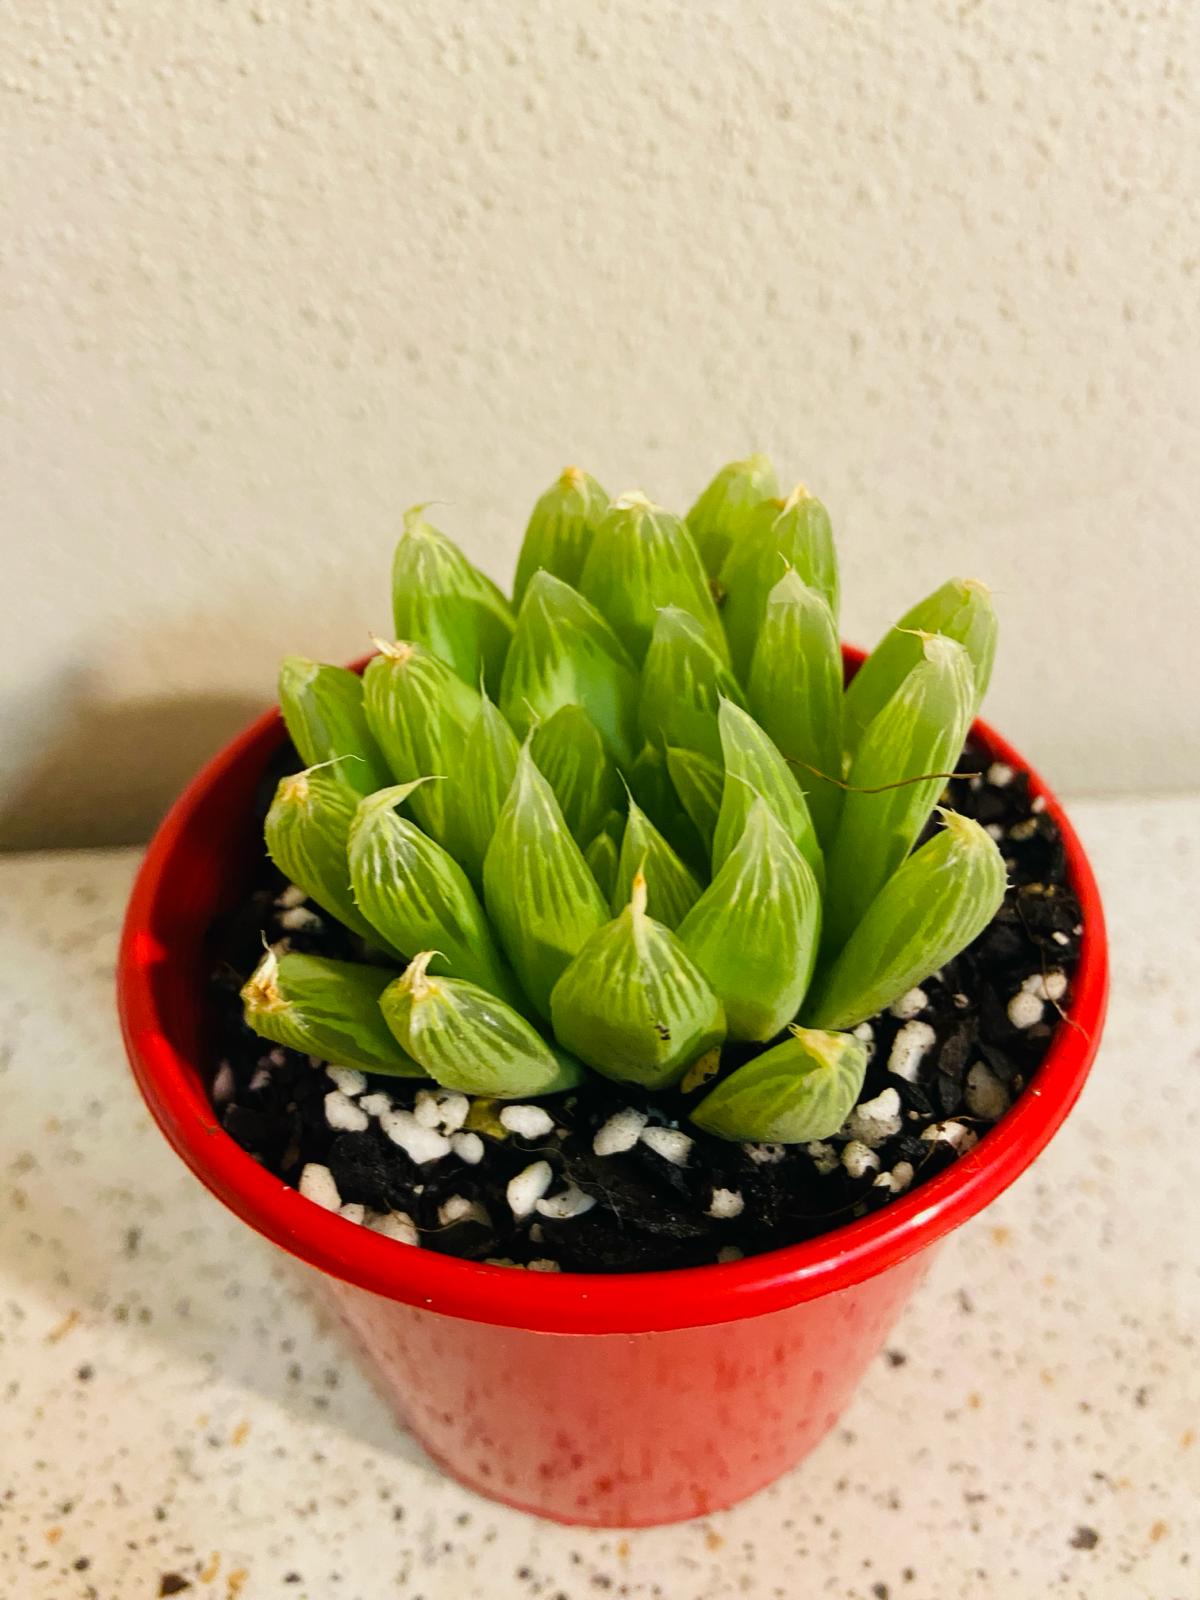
317	1184
897	1180
875	1120
376	1105
956	1134
765	1155
729	1252
396	1225
443	1109
572	1202
909	1048
290	897
824	1156
865	1034
342	1114
1025	1010
531	1122
543	1264
418	1143
726	1203
458	1208
1000	774
984	1094
467	1147
909	1005
426	1109
224	1084
858	1160
353	1211
299	919
619	1133
348	1079
669	1143
527	1188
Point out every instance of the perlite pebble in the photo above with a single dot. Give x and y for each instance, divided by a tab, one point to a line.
873	1121
726	1203
897	1180
909	1048
531	1122
956	1134
376	1104
348	1079
343	1115
544	1264
1000	774
765	1155
984	1094
527	1188
396	1225
467	1147
426	1108
293	895
858	1160
669	1143
909	1005
299	919
824	1156
420	1144
1025	1010
865	1034
224	1084
458	1208
572	1202
353	1211
619	1133
317	1184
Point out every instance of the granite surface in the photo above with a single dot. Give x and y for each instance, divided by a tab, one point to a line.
179	1415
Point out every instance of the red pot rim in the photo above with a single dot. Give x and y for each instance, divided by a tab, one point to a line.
172	1084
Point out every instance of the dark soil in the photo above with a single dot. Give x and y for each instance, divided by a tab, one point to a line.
649	1211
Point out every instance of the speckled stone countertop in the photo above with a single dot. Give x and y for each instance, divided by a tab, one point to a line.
179	1416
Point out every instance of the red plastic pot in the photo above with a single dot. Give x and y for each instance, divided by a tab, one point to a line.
614	1400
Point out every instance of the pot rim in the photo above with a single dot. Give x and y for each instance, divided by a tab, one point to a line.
173	1086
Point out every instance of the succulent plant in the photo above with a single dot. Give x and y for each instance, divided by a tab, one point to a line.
634	815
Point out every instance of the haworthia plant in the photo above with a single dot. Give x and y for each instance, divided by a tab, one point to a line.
669	825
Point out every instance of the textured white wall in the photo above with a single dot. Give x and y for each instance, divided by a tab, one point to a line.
273	271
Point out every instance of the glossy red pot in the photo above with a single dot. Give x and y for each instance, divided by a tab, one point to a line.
614	1400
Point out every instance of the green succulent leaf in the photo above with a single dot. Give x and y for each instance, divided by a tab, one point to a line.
798	536
753	766
564	653
683	684
754	931
920	731
418	896
633	1004
671	887
539	891
325	1008
323	709
961	609
643	558
480	786
795	693
560	530
699	783
421	712
718	519
443	602
570	754
469	1040
307	832
603	858
802	1089
941	899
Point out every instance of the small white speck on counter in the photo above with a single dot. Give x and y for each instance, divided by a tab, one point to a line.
420	1144
670	1143
873	1121
983	1092
1025	1009
572	1202
348	1079
299	919
765	1155
824	1156
353	1211
375	1105
956	1134
317	1184
527	1188
459	1208
467	1147
291	897
619	1133
224	1084
396	1225
909	1005
858	1159
1000	774
531	1122
342	1114
909	1049
726	1203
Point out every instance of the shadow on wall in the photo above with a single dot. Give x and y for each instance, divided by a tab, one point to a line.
104	772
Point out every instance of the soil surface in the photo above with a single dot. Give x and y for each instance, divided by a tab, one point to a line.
608	1178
